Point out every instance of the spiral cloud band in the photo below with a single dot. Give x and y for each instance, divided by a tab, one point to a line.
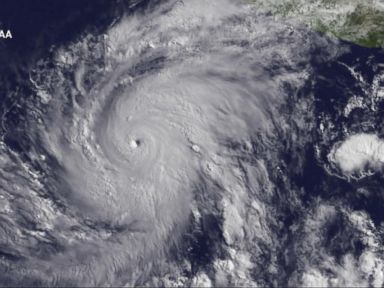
134	135
161	130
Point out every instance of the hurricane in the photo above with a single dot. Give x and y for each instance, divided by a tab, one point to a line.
169	151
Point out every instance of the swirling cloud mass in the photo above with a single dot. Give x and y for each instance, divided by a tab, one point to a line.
156	158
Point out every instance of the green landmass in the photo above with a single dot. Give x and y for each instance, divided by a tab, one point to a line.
358	21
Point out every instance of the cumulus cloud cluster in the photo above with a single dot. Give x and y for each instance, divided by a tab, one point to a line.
358	153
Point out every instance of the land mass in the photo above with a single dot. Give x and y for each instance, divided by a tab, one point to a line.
358	21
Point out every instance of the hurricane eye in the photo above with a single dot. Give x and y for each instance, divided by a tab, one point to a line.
135	143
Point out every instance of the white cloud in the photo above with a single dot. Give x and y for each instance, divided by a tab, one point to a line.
359	152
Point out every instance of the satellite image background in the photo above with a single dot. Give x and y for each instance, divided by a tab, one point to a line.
192	143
